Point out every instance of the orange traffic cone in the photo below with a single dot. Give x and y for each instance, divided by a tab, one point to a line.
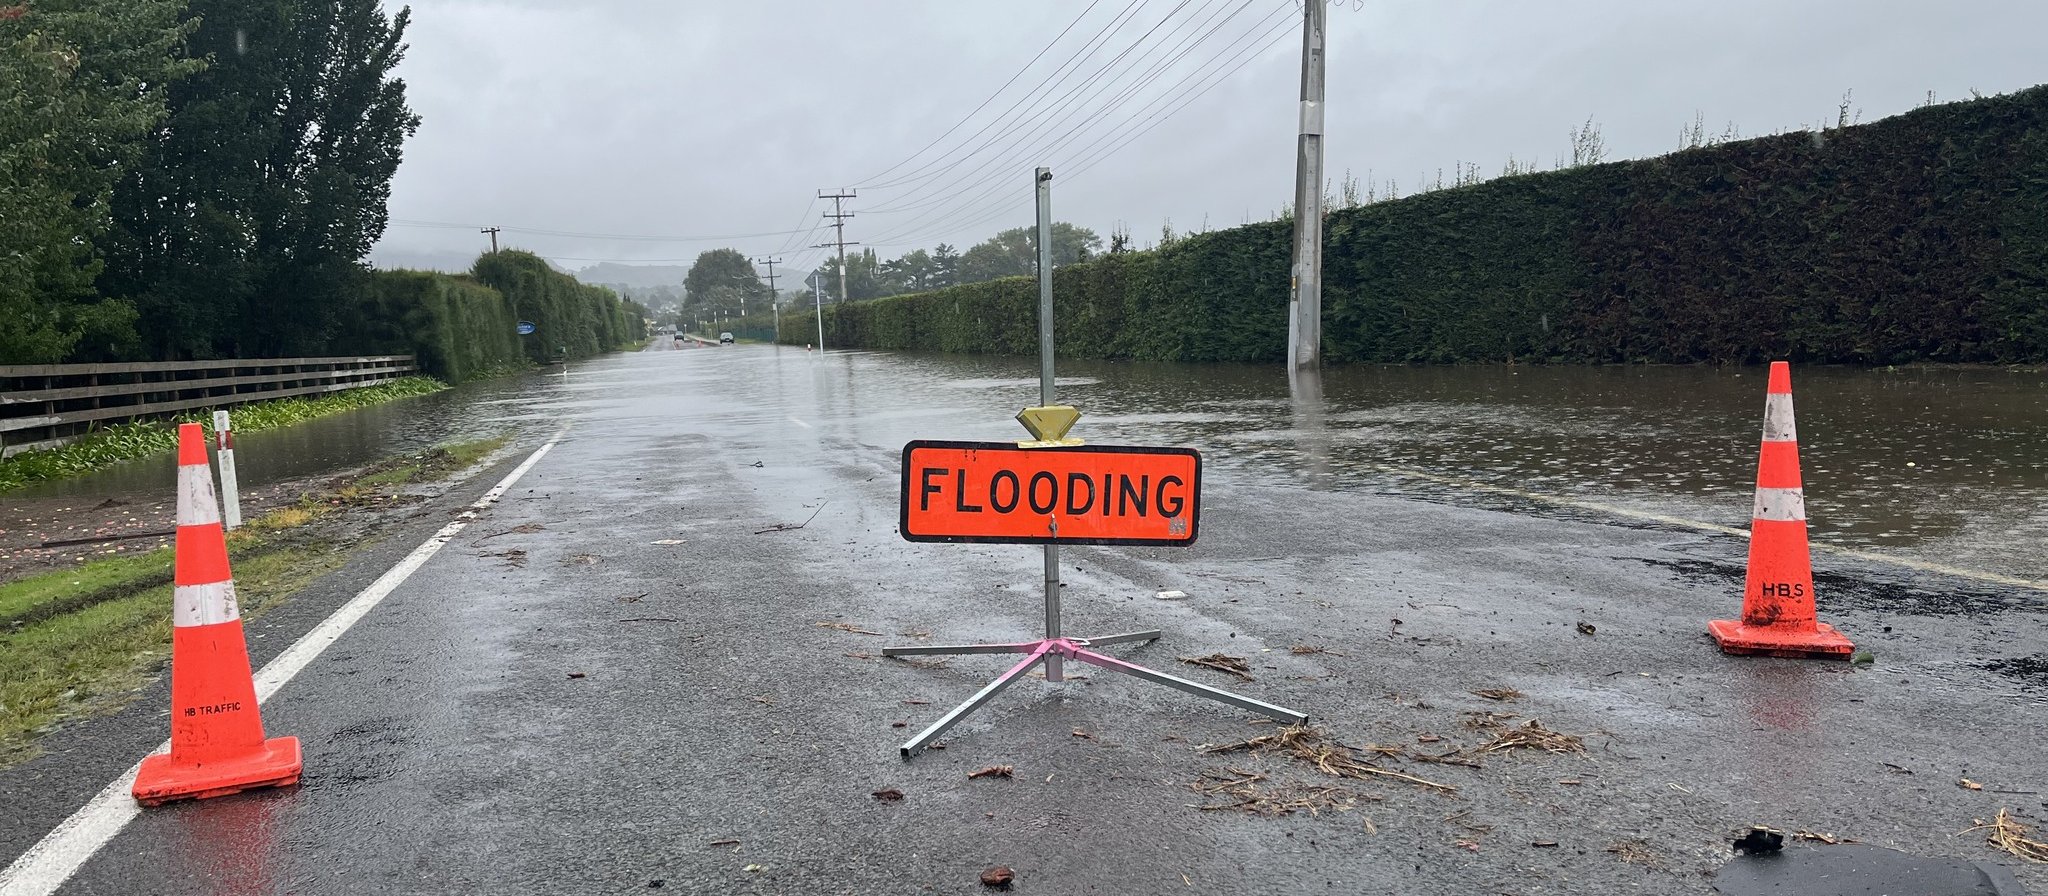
217	744
1778	616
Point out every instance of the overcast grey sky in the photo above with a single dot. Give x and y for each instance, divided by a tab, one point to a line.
696	124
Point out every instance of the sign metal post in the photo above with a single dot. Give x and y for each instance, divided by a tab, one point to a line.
1019	494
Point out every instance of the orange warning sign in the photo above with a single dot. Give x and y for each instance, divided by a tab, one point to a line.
1093	494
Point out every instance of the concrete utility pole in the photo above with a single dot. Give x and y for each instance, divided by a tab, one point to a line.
839	217
818	296
774	299
493	231
1041	181
1305	304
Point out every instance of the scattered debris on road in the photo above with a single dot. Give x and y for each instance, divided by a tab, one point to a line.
666	541
785	527
993	771
1308	649
2012	835
1586	628
1502	694
1634	852
1530	735
1312	746
998	878
1968	784
521	529
1235	665
1818	837
1273	800
888	795
1171	595
576	675
725	843
650	619
848	627
514	558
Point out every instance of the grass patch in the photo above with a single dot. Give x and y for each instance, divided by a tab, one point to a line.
433	464
128	441
83	641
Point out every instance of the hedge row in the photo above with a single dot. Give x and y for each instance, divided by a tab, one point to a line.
571	319
463	326
1922	237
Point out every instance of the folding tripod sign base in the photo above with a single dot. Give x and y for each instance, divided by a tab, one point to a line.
1054	492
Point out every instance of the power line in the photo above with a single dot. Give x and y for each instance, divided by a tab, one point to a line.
1077	56
1073	103
984	103
1207	76
1055	105
571	234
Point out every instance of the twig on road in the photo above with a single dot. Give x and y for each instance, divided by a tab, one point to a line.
785	527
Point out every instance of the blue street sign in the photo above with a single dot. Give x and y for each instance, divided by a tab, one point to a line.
526	328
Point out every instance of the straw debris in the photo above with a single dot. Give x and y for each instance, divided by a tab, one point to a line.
1312	746
1501	694
2013	836
1243	790
847	627
1529	735
1235	665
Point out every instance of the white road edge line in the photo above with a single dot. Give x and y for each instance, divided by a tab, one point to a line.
48	864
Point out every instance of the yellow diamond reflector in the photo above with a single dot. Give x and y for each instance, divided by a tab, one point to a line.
1049	423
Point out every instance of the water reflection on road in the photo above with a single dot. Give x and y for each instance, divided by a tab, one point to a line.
1943	465
1947	465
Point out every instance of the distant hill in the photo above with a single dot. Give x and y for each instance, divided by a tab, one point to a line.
645	276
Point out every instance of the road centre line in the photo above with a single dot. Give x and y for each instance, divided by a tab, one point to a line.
44	867
1683	523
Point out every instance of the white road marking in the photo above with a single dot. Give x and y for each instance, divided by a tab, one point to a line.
52	861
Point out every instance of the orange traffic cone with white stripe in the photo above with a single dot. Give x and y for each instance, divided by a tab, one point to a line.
217	743
1778	617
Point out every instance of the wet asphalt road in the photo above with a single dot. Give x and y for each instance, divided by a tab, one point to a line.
720	739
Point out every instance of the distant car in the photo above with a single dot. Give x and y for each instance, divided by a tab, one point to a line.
725	339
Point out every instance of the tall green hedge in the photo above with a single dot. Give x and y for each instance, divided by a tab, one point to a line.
570	318
1922	237
464	326
456	327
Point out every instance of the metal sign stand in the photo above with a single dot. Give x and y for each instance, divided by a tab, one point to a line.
1054	649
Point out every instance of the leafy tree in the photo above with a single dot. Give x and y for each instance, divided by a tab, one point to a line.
1014	252
863	277
721	282
910	273
81	88
945	266
243	232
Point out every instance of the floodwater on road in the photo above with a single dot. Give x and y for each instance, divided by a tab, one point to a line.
1938	465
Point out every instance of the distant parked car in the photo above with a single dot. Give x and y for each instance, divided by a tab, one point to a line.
725	339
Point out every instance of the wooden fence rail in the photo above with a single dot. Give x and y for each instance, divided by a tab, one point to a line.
46	405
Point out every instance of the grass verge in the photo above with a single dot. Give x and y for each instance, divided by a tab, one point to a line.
84	641
128	441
